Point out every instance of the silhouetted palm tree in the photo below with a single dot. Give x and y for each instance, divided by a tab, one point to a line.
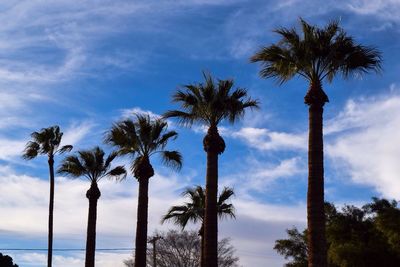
194	210
47	142
317	54
91	165
141	139
210	103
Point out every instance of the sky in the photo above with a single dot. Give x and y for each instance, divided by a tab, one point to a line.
85	65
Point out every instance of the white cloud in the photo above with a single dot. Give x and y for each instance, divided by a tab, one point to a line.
265	139
25	199
128	113
365	142
9	149
264	176
75	259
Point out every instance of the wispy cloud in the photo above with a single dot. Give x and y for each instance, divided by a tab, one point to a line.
385	9
77	132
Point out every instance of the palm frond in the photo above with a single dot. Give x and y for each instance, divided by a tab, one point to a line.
209	102
193	210
31	150
144	128
171	135
172	159
44	142
92	165
66	148
184	118
225	195
72	167
118	173
110	158
123	136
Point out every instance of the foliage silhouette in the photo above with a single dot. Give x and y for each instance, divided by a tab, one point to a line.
6	261
356	237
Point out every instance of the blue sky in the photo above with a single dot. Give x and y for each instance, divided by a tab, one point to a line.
86	65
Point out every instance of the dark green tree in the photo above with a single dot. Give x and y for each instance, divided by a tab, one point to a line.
295	247
47	142
6	261
317	55
194	210
91	165
387	220
355	237
209	104
141	139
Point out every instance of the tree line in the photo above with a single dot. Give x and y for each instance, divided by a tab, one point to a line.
313	53
368	236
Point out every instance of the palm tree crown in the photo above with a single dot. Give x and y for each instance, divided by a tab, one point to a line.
210	102
91	165
141	139
45	142
318	54
194	209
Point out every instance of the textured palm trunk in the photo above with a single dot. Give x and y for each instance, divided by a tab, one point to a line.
213	145
51	211
141	226
93	194
143	174
317	250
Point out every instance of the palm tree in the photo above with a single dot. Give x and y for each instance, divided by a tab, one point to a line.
318	54
92	165
47	142
141	139
209	104
194	210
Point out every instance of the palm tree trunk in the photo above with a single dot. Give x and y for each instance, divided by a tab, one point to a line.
317	252
93	194
141	226
213	145
51	211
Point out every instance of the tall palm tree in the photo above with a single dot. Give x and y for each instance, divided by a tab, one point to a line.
141	139
91	165
194	210
209	104
47	142
316	54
